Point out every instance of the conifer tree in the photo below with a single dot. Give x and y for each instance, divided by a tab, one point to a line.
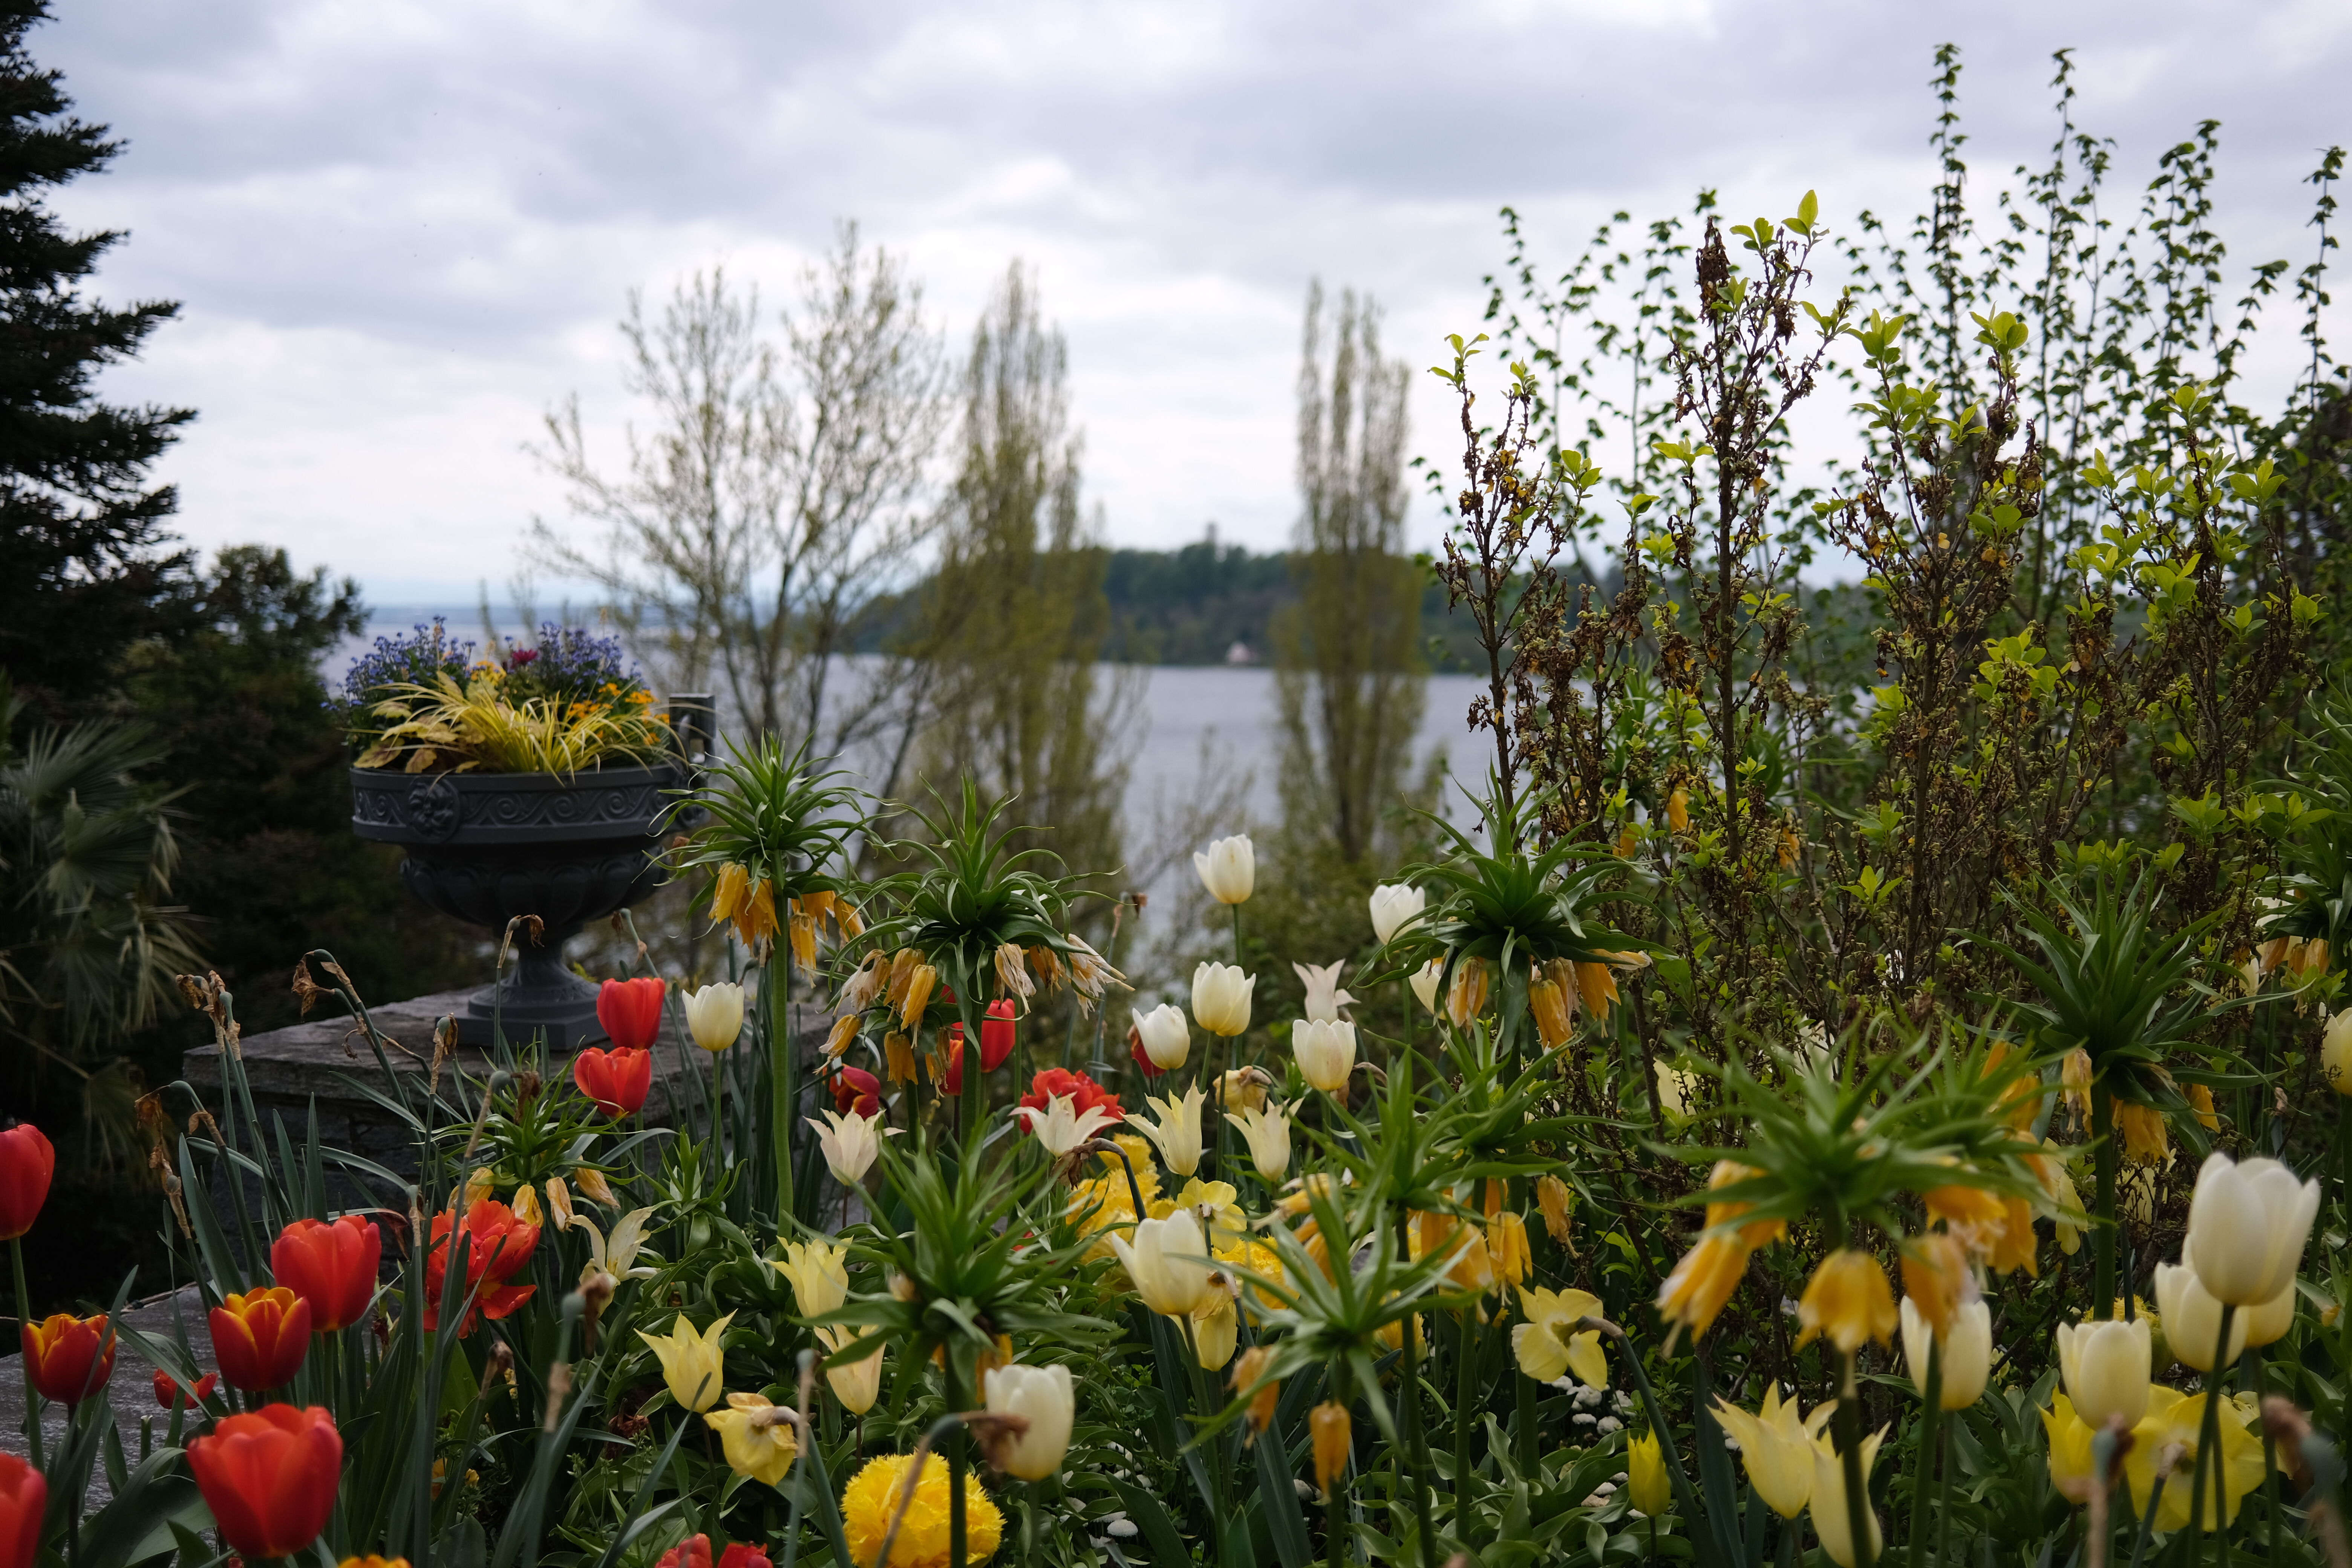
85	567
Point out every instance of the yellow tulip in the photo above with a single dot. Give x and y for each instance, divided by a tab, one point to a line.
857	1384
759	1438
1646	1481
1849	1300
1548	1347
819	1274
1776	1445
2335	1051
693	1364
1831	1522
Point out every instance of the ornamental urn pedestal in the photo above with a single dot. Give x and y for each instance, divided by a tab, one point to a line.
486	849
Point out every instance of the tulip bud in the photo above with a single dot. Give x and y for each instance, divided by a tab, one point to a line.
1169	1263
269	1477
1221	998
630	1012
261	1337
1968	1351
1228	869
1392	905
714	1015
2192	1319
1646	1481
1041	1396
1326	1053
331	1266
1166	1038
2335	1051
68	1359
1424	985
2247	1226
2105	1365
24	1502
617	1080
27	1163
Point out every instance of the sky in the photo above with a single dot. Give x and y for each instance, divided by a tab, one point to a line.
399	232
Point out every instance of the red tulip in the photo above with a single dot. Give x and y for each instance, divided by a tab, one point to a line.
269	1477
617	1080
995	1043
631	1011
694	1551
855	1089
331	1266
169	1389
261	1338
742	1555
69	1358
1083	1092
498	1247
23	1499
26	1161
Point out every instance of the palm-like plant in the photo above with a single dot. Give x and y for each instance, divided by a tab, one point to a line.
1511	908
772	837
974	911
2104	985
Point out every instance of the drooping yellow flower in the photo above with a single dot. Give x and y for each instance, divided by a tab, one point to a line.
1776	1445
1646	1481
1508	1256
921	979
1693	1294
2172	1418
1554	1199
1966	1209
1555	1013
871	1501
1467	999
1848	1300
2075	1082
1444	1234
2014	1247
757	1436
1548	1346
1755	1233
1247	1372
1596	986
802	926
2141	1130
1333	1436
693	1364
2200	1101
1679	811
1935	1277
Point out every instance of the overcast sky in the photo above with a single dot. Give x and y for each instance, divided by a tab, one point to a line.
401	230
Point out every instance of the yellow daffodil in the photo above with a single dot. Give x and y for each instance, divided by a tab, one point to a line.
2171	1420
757	1436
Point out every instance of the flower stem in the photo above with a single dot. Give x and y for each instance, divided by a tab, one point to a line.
780	1069
1930	1430
2209	1432
1849	1443
23	1362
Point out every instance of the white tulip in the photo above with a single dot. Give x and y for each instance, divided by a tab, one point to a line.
1394	903
1166	1038
1228	869
2247	1226
1220	998
2192	1319
1041	1396
1060	1126
1424	983
1324	997
714	1015
2270	1320
1968	1351
850	1144
1178	1133
1269	1131
1168	1262
2105	1365
1326	1053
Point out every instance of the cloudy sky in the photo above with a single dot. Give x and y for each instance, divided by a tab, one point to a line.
401	230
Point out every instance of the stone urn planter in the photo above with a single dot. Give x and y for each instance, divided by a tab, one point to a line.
487	847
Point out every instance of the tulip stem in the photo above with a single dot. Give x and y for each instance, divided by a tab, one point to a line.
1409	1392
1849	1443
25	1361
2209	1430
1930	1430
780	1071
2146	1520
2251	1374
718	1139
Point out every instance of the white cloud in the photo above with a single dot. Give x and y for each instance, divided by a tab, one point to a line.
402	229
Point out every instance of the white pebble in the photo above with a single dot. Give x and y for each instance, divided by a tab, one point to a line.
1608	1424
1123	1529
1581	1420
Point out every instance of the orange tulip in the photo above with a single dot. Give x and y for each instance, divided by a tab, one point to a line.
27	1162
498	1247
69	1358
269	1477
261	1338
331	1266
23	1499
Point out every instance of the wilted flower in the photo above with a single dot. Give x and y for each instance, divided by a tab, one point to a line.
1220	998
1244	1088
1696	1292
1394	904
1323	996
1228	869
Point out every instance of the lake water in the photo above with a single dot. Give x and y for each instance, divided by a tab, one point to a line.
1180	711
